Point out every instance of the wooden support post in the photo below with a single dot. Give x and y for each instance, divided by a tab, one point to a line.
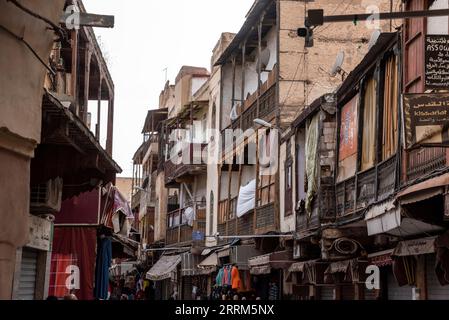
256	200
337	292
109	139
75	69
238	190
259	65
421	278
242	96
87	59
229	198
233	59
98	125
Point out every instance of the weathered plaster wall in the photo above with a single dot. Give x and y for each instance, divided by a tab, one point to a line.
304	72
21	88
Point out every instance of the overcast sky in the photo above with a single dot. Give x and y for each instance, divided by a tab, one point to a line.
148	37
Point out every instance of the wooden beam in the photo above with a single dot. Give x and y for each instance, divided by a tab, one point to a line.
255	44
269	22
90	20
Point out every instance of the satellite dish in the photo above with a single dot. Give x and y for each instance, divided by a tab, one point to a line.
374	37
336	69
265	58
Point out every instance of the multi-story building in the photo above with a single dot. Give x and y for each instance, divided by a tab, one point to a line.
269	77
66	160
22	81
370	187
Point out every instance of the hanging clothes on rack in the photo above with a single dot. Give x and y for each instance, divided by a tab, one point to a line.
226	276
219	278
235	279
229	282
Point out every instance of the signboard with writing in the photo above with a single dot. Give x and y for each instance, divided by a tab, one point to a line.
437	62
40	235
426	119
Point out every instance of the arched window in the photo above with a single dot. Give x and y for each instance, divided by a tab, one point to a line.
211	213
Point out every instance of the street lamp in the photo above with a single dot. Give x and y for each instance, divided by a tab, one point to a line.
140	189
265	124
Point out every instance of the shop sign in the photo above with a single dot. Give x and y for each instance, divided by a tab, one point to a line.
40	235
437	62
426	120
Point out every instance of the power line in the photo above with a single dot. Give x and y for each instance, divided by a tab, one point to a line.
55	27
21	39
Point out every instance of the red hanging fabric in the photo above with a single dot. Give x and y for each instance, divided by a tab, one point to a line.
78	244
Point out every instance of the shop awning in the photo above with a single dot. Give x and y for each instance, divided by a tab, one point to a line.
164	268
338	267
381	258
297	267
276	260
353	270
209	265
434	183
387	217
309	272
415	247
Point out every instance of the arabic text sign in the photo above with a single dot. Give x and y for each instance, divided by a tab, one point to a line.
437	62
426	119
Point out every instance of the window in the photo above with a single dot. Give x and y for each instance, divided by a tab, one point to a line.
288	187
368	157
300	165
390	109
347	153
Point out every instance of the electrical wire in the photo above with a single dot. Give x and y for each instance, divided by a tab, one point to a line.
301	61
55	27
335	11
21	39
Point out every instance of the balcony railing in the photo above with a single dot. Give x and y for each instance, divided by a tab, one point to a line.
188	162
424	161
261	221
180	232
365	188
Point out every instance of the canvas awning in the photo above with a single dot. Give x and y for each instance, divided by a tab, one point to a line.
387	217
297	267
381	258
338	267
415	247
435	184
164	268
209	265
276	260
353	270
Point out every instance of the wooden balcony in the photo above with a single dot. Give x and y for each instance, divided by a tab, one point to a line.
258	221
421	162
250	110
365	188
191	164
180	233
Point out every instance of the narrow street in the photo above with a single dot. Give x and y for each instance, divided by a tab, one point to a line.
258	150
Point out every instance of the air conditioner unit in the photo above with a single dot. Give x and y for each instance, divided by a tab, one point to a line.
46	197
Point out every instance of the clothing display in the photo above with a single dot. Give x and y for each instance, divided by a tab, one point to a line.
219	278
235	279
